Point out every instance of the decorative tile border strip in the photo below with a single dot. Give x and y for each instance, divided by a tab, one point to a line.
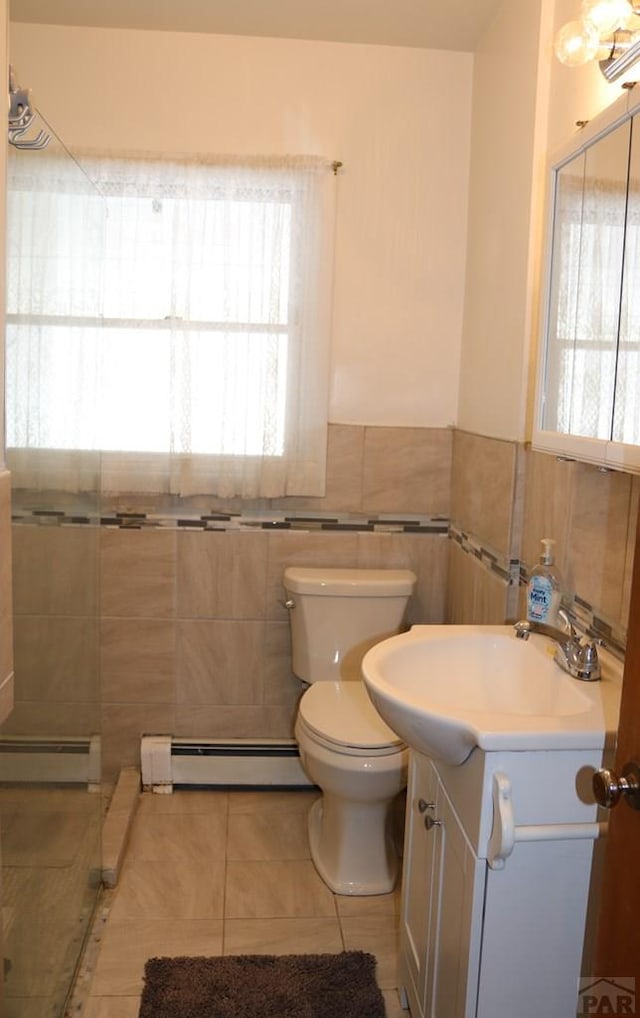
266	520
516	575
586	620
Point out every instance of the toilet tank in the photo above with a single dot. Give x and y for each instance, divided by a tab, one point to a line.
336	615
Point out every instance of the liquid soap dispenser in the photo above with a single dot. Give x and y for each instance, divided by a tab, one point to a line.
544	591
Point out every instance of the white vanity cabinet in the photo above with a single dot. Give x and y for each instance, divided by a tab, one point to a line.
498	855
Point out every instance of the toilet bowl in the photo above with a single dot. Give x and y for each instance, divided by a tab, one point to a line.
346	748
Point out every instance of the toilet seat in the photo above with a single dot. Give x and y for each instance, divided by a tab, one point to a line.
341	717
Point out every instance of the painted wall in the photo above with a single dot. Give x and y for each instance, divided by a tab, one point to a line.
504	497
525	106
397	118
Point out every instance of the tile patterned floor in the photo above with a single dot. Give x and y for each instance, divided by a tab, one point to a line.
229	873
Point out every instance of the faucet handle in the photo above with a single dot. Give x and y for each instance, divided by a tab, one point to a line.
565	618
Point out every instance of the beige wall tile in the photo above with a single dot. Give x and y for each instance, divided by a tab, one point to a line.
598	536
56	659
246	722
426	555
55	570
41	717
219	662
475	594
221	574
407	470
137	660
281	686
138	572
547	509
343	489
295	548
123	725
483	488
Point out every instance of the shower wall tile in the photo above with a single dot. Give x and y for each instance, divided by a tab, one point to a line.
219	662
137	572
407	470
222	574
483	488
137	660
55	570
56	659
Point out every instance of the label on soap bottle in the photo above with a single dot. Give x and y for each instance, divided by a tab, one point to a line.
540	599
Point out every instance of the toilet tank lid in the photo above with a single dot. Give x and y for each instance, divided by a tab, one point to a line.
349	582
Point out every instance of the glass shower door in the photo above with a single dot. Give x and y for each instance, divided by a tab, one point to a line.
50	780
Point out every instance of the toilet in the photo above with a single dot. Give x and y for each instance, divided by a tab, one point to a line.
345	747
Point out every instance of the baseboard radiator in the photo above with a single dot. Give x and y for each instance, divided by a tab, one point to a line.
59	760
168	762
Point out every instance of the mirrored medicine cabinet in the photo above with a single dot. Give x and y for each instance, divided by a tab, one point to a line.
588	391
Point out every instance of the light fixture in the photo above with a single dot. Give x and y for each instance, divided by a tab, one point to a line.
608	31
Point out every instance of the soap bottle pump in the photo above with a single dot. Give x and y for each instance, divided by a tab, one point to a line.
544	591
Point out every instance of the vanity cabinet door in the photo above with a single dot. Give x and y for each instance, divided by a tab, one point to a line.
457	922
419	888
442	896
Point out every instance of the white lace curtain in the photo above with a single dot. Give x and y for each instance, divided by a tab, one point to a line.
168	329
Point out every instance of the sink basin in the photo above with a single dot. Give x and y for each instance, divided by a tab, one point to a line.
447	689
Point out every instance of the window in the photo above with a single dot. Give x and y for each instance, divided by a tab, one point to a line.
174	318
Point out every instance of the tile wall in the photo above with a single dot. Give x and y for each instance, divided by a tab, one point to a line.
505	498
182	618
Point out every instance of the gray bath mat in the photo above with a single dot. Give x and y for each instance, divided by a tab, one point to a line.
263	986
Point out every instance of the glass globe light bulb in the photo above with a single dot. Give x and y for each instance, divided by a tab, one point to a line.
576	43
606	15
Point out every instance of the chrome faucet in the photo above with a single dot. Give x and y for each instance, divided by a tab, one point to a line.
577	655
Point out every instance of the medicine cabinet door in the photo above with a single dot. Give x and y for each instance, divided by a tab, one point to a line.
626	417
585	292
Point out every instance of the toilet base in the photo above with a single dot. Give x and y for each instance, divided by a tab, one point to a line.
352	847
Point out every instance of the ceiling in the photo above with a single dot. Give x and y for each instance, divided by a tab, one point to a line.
430	24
